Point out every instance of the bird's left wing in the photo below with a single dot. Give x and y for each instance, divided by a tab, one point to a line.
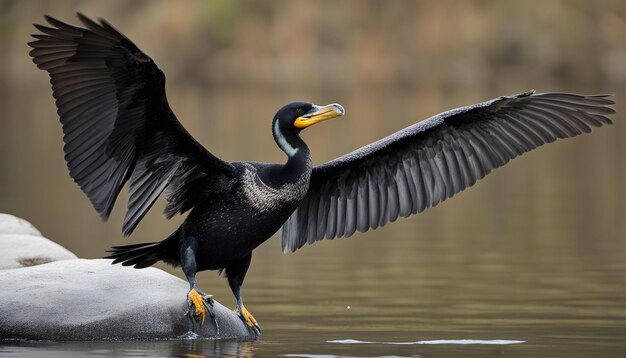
118	125
428	162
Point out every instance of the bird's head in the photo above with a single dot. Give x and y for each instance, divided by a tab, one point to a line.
294	117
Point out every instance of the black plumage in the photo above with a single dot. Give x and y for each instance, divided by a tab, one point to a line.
422	165
118	128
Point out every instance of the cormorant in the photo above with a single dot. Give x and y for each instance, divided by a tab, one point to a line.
118	128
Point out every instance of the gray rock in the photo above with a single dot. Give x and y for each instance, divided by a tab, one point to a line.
19	250
21	245
94	300
10	224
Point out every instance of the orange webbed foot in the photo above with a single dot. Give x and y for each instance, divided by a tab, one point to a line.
198	305
249	320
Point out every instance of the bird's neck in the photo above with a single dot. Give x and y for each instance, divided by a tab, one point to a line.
299	162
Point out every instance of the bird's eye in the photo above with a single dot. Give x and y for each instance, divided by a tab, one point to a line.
300	110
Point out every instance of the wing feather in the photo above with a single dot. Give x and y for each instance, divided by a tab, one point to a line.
424	164
117	124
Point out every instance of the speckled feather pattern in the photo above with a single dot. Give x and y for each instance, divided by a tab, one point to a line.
263	197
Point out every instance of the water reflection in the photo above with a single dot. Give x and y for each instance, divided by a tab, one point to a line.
204	348
166	348
438	341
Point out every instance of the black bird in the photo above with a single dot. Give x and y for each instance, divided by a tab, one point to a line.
118	128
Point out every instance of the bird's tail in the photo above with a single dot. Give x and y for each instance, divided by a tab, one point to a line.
147	254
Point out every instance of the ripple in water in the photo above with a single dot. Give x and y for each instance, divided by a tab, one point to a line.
436	341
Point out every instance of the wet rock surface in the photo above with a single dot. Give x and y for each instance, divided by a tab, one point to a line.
21	245
28	250
49	294
94	300
10	224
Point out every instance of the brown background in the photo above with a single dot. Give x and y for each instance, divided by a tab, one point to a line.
231	64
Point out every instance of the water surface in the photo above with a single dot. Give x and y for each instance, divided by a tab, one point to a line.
465	285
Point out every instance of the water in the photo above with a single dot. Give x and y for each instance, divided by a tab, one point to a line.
451	282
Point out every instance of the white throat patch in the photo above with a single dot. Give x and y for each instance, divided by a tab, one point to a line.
282	141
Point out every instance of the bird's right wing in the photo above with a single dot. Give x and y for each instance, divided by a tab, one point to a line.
118	125
428	162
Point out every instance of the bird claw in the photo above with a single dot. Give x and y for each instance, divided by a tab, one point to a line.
198	304
249	320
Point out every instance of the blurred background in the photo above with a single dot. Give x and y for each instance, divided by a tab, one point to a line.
231	64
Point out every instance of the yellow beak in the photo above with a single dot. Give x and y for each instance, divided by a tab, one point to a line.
319	114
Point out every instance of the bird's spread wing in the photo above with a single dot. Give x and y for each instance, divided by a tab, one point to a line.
117	124
426	163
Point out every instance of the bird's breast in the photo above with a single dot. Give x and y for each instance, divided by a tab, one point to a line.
265	197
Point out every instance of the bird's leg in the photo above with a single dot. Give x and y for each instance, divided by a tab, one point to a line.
198	303
235	273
